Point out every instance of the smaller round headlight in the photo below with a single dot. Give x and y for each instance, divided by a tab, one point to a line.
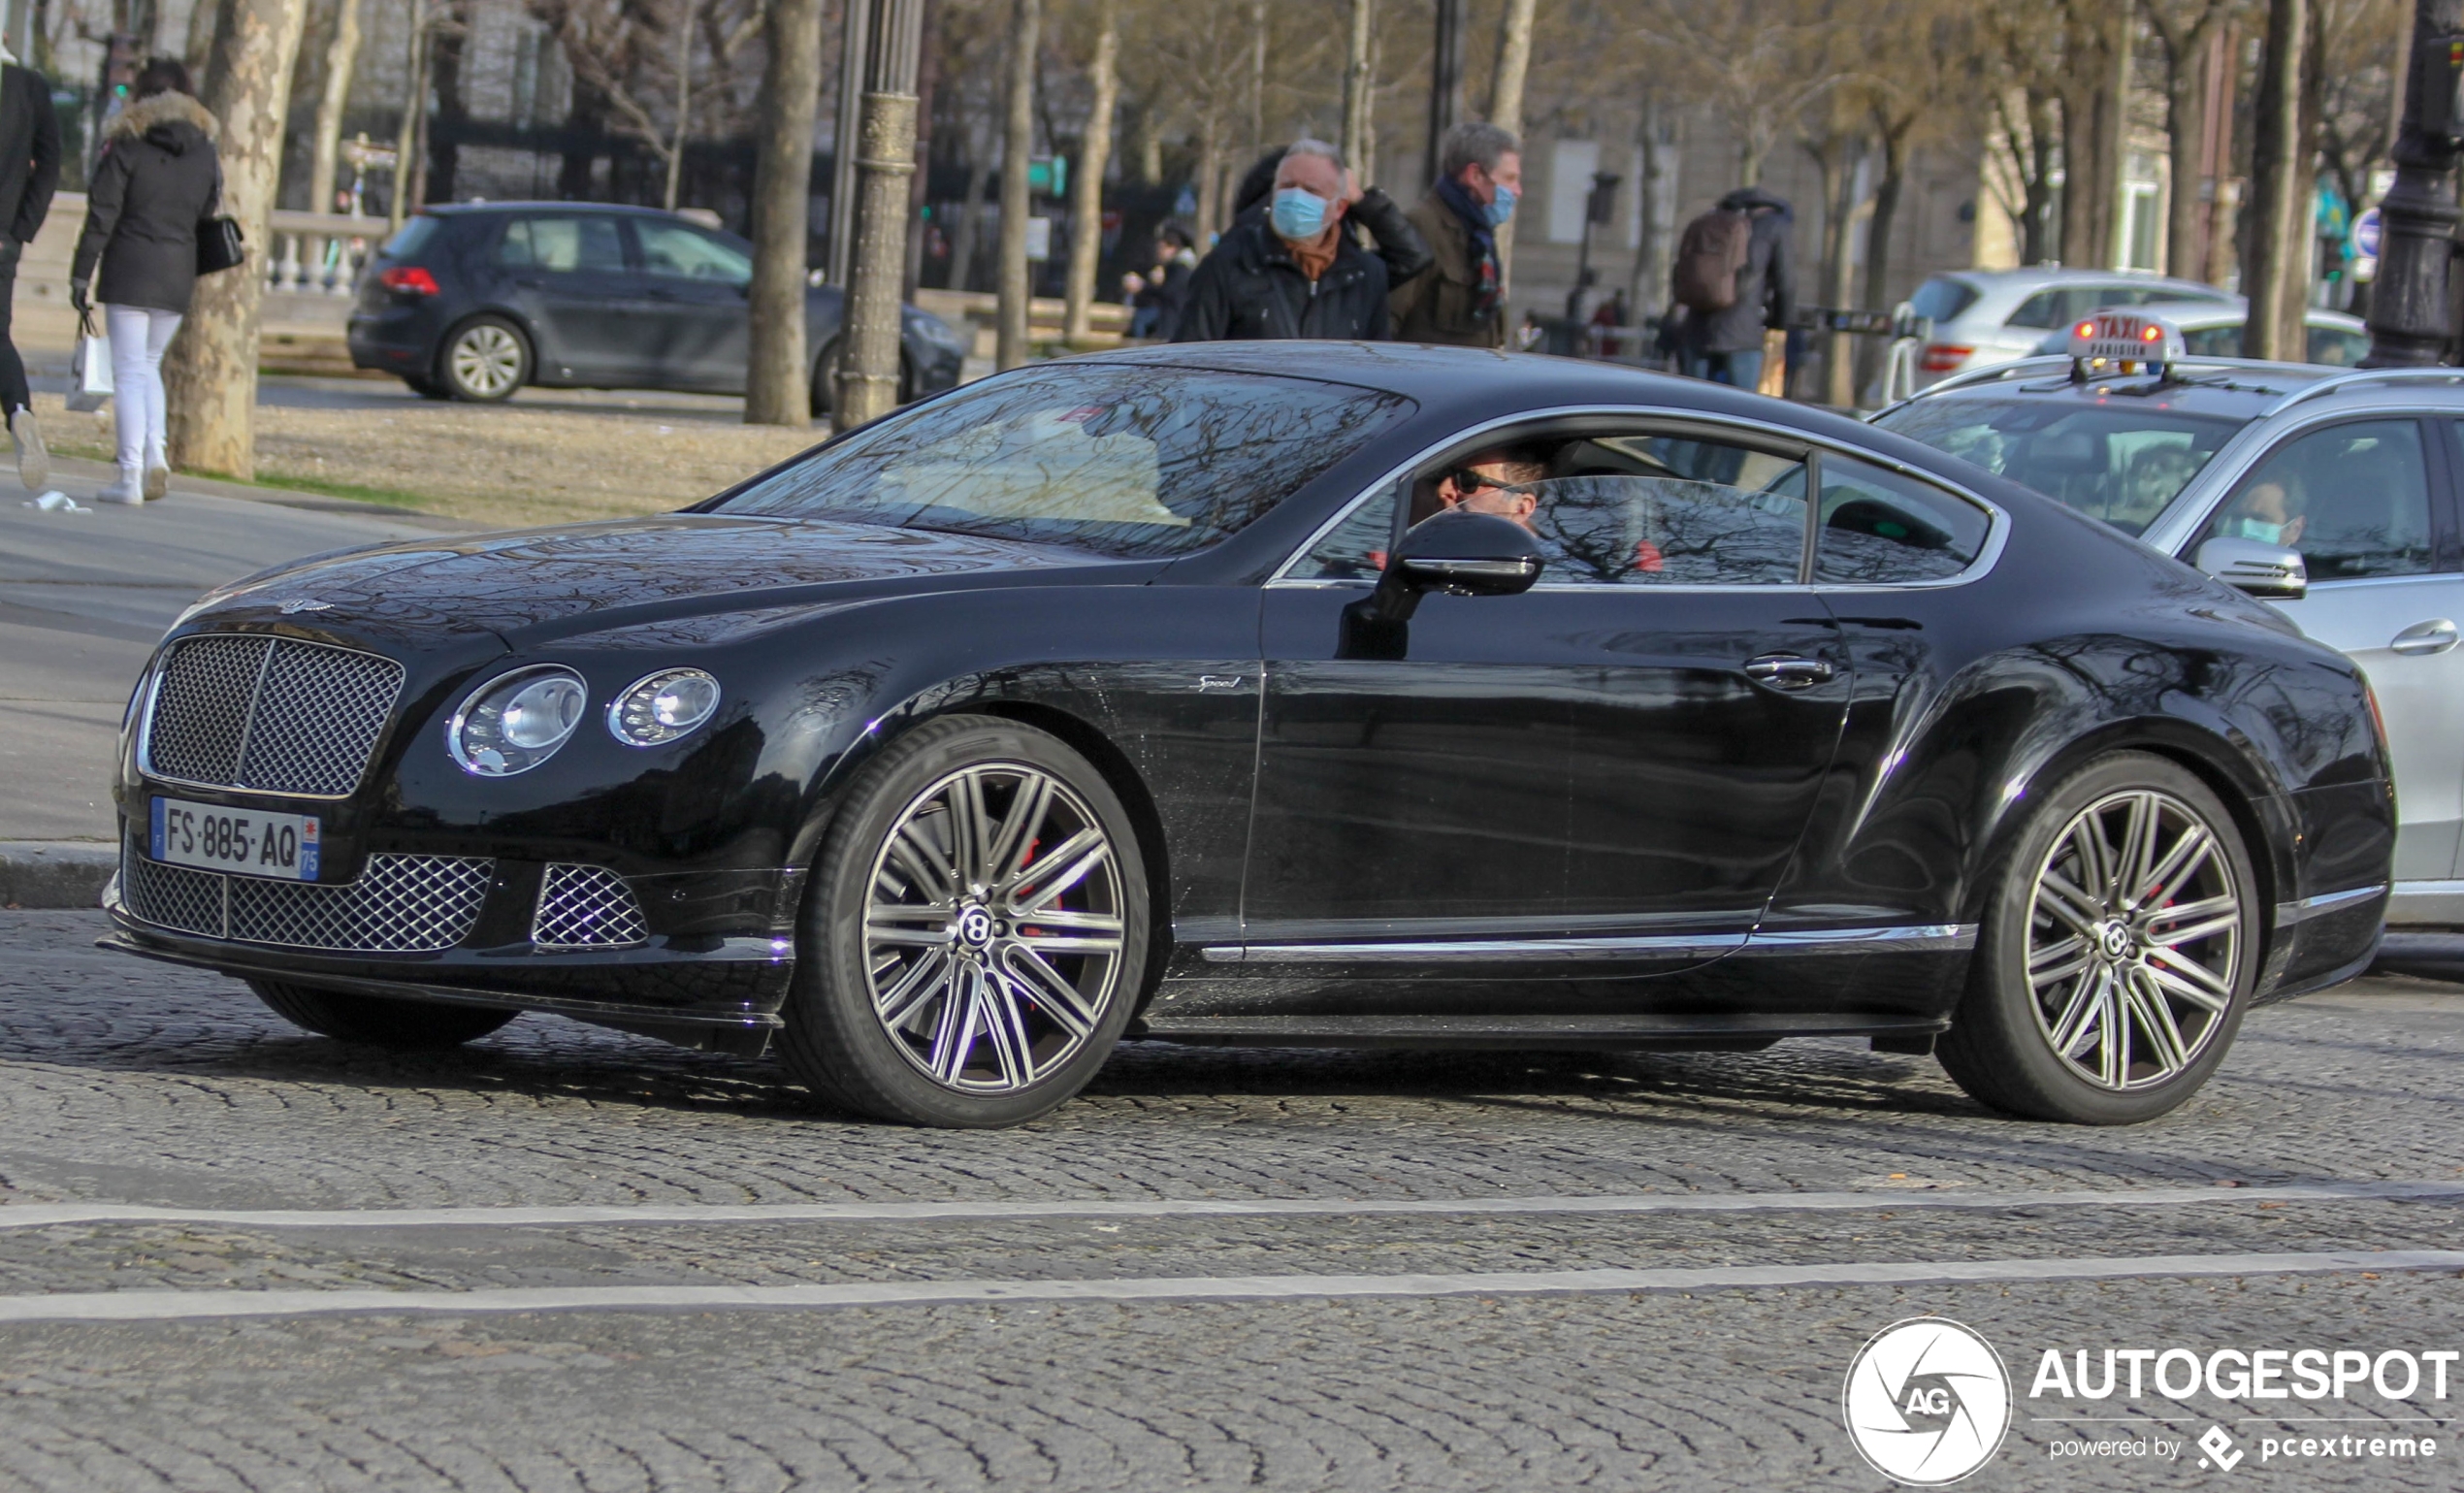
665	705
516	721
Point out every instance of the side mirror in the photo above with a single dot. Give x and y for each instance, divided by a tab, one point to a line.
2271	572
1466	555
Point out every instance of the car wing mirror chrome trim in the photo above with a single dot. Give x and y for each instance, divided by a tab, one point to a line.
2271	572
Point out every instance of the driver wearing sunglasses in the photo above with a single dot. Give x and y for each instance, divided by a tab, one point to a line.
1502	482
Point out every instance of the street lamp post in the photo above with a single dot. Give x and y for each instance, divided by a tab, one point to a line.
2410	322
1446	75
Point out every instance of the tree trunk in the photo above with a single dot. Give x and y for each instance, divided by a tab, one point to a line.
2043	125
585	116
777	378
2113	137
1210	178
683	101
919	189
1359	87
1505	104
1893	138
198	53
442	159
2293	306
209	379
414	110
2278	223
1258	79
341	58
2185	119
1648	290
1839	160
970	229
2223	208
1087	183
1018	142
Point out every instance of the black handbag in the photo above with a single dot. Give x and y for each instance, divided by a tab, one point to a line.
219	247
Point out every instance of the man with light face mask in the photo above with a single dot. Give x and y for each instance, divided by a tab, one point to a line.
1461	301
1292	273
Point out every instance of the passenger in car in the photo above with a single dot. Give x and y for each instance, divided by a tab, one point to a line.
1501	481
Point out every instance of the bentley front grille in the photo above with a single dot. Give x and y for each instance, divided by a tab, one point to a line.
267	714
400	904
587	907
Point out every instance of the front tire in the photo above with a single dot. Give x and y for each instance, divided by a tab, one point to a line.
976	935
380	1020
485	360
2116	954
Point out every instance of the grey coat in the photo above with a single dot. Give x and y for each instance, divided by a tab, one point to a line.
158	178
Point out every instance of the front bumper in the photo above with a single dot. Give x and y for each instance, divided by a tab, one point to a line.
715	950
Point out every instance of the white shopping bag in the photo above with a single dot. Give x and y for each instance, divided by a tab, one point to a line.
89	367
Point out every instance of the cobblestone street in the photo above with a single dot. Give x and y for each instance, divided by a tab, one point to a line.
1268	1253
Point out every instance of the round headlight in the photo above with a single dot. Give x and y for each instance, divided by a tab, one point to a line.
662	706
516	721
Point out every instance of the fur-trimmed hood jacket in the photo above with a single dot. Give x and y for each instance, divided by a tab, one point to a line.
159	177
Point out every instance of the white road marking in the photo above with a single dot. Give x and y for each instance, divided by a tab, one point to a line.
177	1306
44	1215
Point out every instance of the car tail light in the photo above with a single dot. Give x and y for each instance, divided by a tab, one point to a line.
409	280
1944	358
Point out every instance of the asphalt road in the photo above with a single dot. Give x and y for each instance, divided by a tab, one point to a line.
1283	1270
85	598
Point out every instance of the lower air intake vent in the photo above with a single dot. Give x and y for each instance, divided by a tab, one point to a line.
400	904
587	907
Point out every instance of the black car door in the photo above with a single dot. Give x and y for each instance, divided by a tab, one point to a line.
571	280
696	284
1610	769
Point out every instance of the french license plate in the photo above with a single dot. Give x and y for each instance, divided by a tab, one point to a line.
243	841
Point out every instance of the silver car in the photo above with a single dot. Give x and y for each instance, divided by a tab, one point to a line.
1983	317
2337	496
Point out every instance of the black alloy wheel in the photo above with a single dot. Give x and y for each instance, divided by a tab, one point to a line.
485	360
2116	954
380	1020
976	934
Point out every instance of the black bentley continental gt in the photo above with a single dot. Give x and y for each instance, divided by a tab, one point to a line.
1277	694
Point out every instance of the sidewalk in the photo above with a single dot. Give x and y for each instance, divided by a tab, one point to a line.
83	598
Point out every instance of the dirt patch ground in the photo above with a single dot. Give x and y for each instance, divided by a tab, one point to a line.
489	464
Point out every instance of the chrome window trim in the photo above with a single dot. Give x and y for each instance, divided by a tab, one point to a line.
1990	554
153	690
1913	938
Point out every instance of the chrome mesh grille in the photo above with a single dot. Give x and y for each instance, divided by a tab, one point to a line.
268	714
400	904
587	907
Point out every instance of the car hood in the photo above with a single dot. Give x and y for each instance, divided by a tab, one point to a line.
528	585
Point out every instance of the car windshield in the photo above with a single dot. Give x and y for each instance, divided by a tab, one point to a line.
1122	460
2120	464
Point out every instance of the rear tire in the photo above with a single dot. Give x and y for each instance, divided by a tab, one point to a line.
425	388
485	360
976	934
2117	950
380	1020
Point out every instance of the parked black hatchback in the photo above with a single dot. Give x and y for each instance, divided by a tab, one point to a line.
474	301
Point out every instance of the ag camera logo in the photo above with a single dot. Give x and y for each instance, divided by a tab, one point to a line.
1927	1402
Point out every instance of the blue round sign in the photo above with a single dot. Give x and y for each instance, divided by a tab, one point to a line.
2365	234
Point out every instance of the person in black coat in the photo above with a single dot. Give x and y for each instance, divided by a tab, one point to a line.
1391	232
158	178
29	173
1291	270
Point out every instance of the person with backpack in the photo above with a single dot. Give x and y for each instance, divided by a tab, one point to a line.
1735	277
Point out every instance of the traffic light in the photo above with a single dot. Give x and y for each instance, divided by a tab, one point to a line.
121	61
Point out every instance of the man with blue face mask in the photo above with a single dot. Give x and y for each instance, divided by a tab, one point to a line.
1291	271
1461	301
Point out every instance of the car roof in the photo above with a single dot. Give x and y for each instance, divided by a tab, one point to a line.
2228	388
2188	314
481	208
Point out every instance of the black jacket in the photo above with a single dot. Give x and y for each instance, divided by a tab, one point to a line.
158	178
29	152
1391	231
1250	289
1766	288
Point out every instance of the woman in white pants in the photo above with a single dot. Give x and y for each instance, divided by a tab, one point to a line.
158	178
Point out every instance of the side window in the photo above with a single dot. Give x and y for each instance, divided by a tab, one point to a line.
1355	549
2040	313
2353	498
1881	529
564	244
2225	342
2337	346
676	251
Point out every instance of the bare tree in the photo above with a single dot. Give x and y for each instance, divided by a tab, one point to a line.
2278	249
1017	143
341	58
2187	28
211	376
777	384
1086	187
637	57
1759	63
1506	96
1359	93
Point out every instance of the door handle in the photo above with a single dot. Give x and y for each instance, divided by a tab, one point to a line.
1787	671
2436	635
